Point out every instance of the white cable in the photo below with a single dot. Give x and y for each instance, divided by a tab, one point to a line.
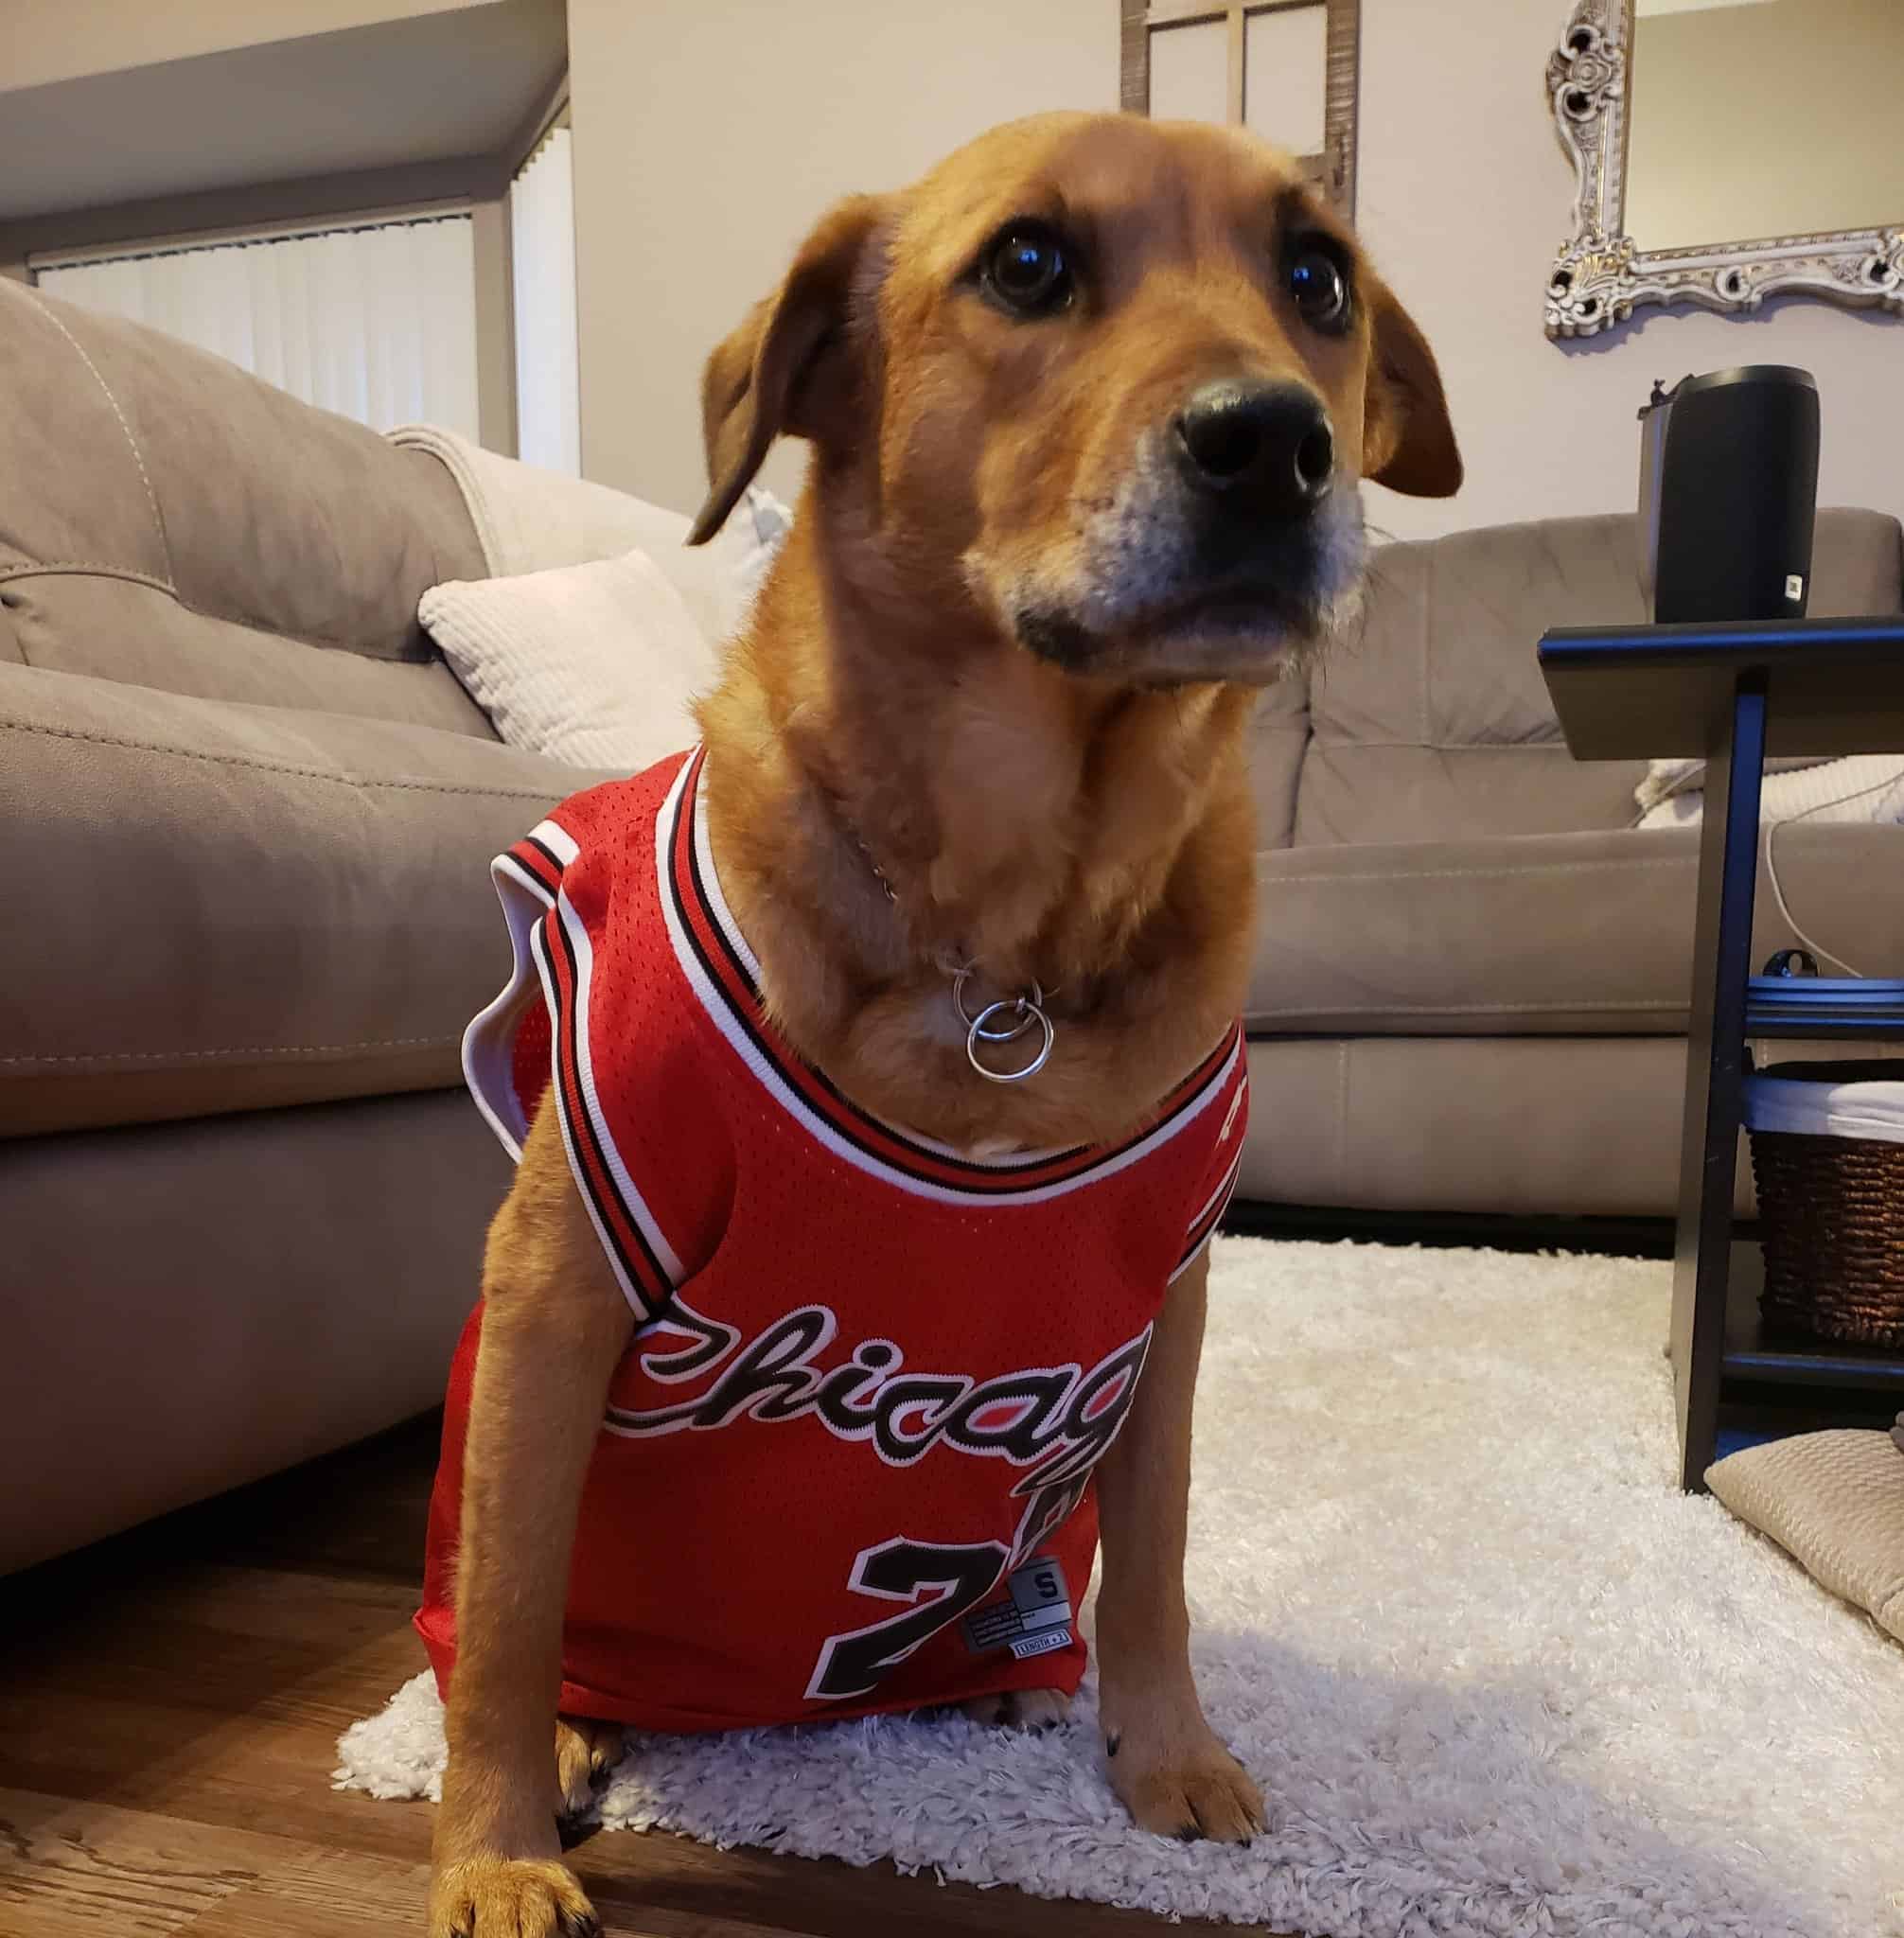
1772	828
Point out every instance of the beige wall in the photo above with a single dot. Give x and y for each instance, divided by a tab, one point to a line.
709	132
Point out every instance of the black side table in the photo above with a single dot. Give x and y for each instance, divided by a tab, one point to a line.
1733	694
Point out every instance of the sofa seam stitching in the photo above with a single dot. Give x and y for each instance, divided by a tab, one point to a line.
1341	1114
64	568
1459	875
1667	1005
238	760
139	456
1325	740
124	1056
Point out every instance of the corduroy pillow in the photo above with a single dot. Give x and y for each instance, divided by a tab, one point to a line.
593	664
1835	1501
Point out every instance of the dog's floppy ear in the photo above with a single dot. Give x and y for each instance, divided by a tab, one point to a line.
1408	442
727	383
788	367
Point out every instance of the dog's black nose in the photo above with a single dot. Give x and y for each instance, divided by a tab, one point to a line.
1266	446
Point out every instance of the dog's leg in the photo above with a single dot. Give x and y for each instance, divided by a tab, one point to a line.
1166	1763
553	1325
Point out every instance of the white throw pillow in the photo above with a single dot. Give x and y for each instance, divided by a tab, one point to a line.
1859	787
593	664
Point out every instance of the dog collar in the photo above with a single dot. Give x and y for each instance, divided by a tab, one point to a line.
994	1024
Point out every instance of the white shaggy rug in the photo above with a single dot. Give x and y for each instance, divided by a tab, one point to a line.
1497	1677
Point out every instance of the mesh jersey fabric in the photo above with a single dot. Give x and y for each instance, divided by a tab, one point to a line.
871	1376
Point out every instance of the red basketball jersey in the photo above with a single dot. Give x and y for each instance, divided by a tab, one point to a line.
846	1463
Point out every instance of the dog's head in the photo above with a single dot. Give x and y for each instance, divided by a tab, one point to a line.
1107	382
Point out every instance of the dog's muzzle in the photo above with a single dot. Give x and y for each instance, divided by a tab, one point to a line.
1227	551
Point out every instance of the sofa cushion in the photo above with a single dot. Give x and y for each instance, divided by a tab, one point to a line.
191	1305
132	455
220	907
111	627
532	521
1438	720
1278	743
1585	934
1522	1126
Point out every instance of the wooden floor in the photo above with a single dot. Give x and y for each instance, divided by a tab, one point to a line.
169	1707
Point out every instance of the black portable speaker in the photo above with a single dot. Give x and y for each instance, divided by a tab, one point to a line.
1728	495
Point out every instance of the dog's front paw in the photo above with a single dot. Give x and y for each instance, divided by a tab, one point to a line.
585	1751
1032	1710
1175	1779
510	1898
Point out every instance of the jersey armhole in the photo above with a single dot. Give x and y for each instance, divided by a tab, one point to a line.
553	967
526	878
1218	1185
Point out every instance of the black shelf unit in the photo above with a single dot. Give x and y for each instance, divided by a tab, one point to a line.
1734	695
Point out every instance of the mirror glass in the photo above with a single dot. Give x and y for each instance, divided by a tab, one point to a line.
1757	118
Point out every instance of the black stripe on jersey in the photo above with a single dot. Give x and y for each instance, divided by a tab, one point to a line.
1200	1232
542	849
683	811
1001	1176
652	1278
1004	1180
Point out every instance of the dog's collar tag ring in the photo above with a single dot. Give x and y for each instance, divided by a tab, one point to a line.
1004	1021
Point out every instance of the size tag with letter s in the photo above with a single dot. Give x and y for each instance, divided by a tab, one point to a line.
1032	1618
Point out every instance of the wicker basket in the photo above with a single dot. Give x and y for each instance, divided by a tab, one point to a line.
1831	1198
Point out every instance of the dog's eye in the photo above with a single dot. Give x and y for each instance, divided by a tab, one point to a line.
1320	285
1025	269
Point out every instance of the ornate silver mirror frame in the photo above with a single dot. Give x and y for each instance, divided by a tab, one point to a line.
1600	275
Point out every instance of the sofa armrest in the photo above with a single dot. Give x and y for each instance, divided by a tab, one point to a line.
215	907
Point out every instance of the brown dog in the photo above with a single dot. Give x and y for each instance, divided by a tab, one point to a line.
1087	408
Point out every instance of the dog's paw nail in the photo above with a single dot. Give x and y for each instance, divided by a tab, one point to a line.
1112	1741
1189	1833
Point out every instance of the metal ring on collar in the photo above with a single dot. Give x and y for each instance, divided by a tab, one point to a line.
977	1033
1026	1007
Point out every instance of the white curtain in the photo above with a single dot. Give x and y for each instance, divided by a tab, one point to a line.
543	253
377	323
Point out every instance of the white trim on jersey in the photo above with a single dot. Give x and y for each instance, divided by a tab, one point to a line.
488	1043
576	930
638	1302
1222	1191
730	928
817	1126
1212	1204
709	875
557	839
488	1058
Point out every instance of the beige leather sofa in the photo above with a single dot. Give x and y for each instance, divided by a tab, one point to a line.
248	816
